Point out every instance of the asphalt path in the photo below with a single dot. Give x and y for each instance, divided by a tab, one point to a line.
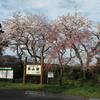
17	94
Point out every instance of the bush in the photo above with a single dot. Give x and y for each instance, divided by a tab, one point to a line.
76	73
33	79
19	80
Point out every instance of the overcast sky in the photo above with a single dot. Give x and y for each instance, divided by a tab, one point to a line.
51	8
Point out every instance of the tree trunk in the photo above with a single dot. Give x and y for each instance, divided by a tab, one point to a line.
60	81
78	54
61	75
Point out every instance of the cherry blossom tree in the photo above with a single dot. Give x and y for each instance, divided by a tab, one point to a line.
26	33
69	32
75	30
77	33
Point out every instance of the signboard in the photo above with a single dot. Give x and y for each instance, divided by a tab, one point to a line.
33	69
6	74
50	74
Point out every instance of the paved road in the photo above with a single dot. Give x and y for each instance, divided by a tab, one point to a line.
16	94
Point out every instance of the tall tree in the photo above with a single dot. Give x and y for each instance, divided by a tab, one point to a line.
75	30
26	33
67	33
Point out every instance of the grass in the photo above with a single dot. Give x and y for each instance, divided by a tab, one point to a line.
84	91
90	90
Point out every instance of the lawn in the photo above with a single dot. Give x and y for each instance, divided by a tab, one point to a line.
90	90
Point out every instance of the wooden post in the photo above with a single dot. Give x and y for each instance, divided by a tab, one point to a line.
41	77
24	70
